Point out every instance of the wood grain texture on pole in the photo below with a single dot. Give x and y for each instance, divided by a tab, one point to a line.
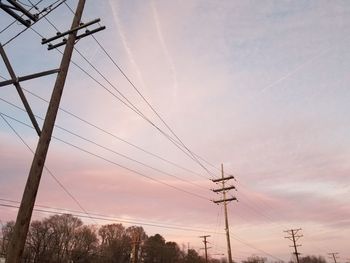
24	215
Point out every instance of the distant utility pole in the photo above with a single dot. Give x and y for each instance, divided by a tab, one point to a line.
205	247
16	246
334	255
224	189
294	237
136	241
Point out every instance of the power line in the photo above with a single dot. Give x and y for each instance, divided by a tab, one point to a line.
129	104
151	107
21	227
258	212
45	167
254	247
45	17
133	221
31	127
104	147
112	219
111	150
132	107
107	218
255	208
116	164
115	136
224	189
48	10
13	22
192	155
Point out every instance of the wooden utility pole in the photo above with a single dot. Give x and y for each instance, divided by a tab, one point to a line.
334	256
205	247
224	200
226	219
136	241
294	237
24	215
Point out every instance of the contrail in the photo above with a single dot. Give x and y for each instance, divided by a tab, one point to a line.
292	72
164	47
125	43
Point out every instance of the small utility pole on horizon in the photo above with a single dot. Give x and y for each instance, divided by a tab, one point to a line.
294	237
224	189
205	247
136	241
334	256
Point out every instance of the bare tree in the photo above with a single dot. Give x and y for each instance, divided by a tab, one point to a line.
39	241
63	229
115	244
85	244
313	259
6	233
255	259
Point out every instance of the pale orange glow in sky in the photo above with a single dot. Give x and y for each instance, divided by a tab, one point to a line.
260	86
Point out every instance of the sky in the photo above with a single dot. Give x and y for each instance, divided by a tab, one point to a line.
258	86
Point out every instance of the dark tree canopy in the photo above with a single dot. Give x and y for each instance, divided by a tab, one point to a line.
313	259
65	239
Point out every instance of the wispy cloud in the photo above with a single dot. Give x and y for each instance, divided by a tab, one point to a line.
165	48
125	42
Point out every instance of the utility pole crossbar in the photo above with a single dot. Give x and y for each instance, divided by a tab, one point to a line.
224	189
225	200
28	77
71	31
59	34
223	179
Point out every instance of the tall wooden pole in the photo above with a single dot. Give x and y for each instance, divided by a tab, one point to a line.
24	215
226	218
